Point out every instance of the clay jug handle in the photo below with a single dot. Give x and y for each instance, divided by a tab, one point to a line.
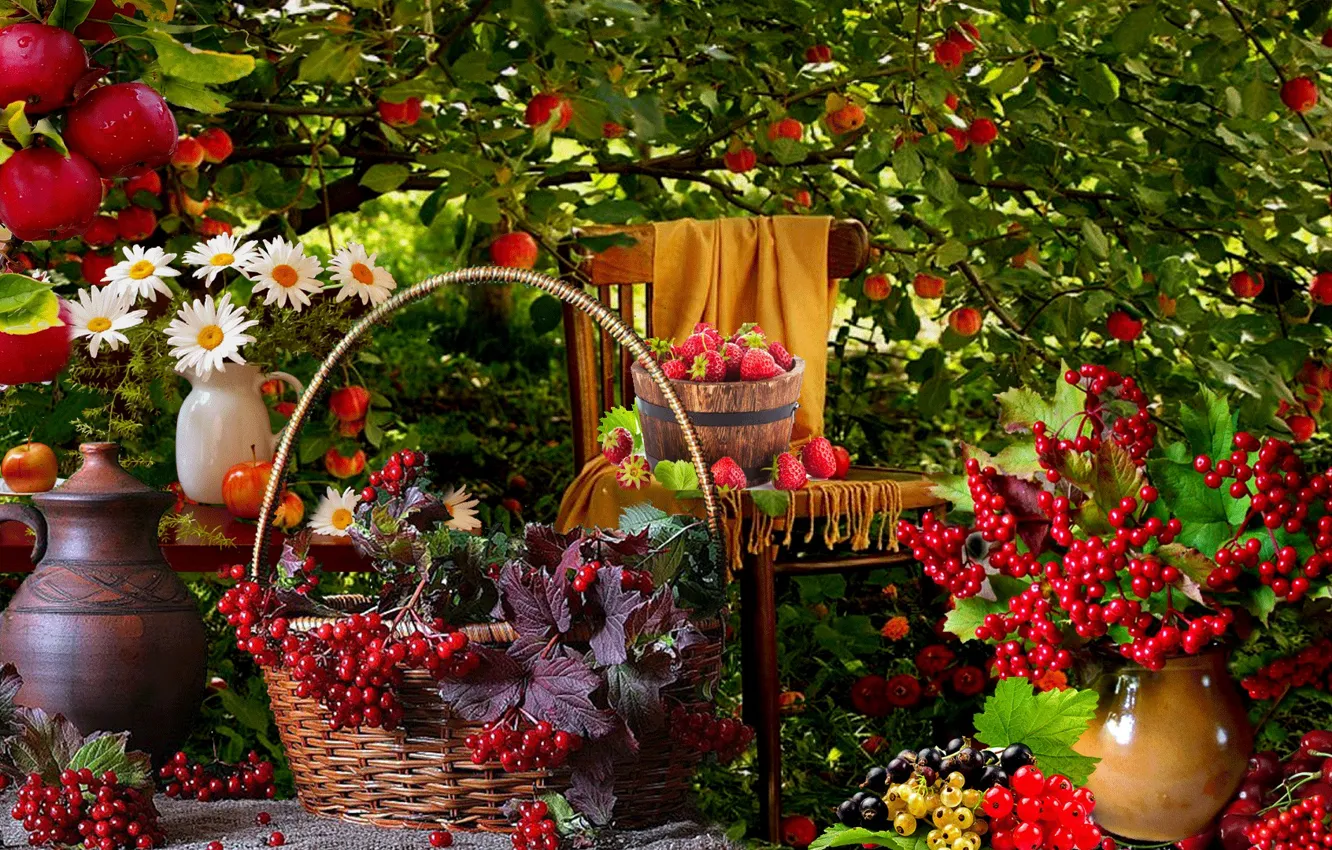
33	519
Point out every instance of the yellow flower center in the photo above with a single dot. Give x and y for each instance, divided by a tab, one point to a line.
341	519
141	269
362	273
285	275
222	259
99	324
210	337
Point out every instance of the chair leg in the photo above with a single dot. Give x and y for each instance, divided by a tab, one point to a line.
762	689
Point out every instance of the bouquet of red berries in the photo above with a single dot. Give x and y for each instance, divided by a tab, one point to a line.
706	355
1281	805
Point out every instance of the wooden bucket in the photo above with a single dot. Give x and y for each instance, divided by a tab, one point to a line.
748	421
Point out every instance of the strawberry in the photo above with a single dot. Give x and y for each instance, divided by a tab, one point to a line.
746	329
758	365
633	473
618	445
754	339
728	475
708	366
843	462
818	458
696	345
660	348
675	369
706	330
782	357
732	354
787	472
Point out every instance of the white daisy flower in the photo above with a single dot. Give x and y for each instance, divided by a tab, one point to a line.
102	315
357	273
141	273
203	336
218	254
335	512
462	510
286	272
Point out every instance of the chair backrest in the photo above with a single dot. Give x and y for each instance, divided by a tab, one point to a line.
621	277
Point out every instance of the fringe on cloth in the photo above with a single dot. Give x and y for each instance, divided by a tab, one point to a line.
846	509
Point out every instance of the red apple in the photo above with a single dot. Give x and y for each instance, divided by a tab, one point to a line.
959	137
30	468
950	101
36	357
786	128
149	182
1300	94
289	512
213	227
136	223
243	488
542	106
1245	285
965	321
877	287
39	65
928	285
341	466
189	154
849	118
948	54
740	159
514	250
1320	288
1123	327
843	462
403	114
817	54
93	267
216	144
95	27
101	232
869	695
125	129
350	403
44	195
982	131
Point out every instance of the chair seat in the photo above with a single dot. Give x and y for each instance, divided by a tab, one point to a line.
916	491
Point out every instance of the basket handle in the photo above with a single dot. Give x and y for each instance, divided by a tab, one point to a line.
568	293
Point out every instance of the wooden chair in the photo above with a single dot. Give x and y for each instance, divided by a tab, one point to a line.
599	379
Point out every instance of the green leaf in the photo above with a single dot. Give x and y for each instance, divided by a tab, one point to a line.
1095	238
907	165
251	714
1116	475
430	207
1209	427
950	253
621	417
788	151
1098	82
484	208
969	613
193	65
1184	493
108	752
771	502
334	62
934	394
16	119
940	185
612	211
1020	407
841	836
676	475
384	177
1050	723
191	95
1135	29
546	312
27	306
68	14
1013	75
1261	602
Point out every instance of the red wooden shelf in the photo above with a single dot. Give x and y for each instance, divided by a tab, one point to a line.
192	556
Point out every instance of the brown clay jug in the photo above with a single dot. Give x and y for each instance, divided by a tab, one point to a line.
1173	745
103	631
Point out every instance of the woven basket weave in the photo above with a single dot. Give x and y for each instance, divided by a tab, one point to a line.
421	775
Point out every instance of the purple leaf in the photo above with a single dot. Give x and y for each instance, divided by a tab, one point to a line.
545	545
658	616
627	546
560	691
526	648
10	682
592	783
608	640
295	549
1020	494
495	686
634	688
534	604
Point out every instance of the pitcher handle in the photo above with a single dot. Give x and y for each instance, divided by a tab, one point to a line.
292	381
33	519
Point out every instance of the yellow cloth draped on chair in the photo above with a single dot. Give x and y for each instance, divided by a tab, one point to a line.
773	271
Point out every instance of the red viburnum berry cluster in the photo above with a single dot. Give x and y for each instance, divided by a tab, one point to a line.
1281	493
251	779
1135	433
1036	812
534	830
1310	667
94	812
400	472
518	750
707	356
1301	826
700	729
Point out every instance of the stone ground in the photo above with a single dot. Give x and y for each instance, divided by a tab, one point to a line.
191	826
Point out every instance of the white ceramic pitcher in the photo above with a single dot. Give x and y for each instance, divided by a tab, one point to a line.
223	422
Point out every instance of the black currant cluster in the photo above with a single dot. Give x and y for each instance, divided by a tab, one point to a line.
915	783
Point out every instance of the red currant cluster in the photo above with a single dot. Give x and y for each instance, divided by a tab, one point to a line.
1302	826
1310	667
1035	812
700	729
1135	433
938	546
400	472
585	576
354	666
541	746
534	830
251	779
637	580
1281	494
95	812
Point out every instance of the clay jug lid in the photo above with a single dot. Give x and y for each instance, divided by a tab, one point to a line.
100	475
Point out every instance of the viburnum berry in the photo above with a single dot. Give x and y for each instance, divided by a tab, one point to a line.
87	810
518	750
698	728
251	779
534	830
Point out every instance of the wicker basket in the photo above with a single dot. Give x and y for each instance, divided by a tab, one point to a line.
421	775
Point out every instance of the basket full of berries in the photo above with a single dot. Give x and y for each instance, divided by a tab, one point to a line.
740	393
492	668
